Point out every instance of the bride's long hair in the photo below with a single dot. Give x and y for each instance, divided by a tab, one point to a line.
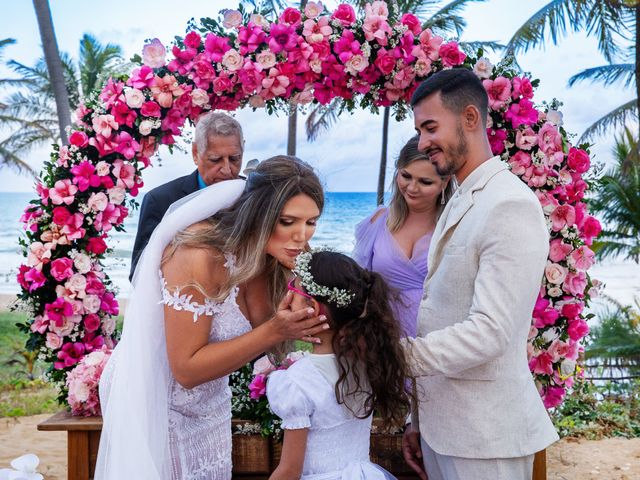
245	228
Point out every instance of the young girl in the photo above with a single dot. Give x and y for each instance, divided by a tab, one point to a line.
326	399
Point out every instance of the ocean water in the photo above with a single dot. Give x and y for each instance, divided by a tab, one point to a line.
335	229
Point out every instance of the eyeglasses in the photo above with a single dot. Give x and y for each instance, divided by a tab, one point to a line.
291	287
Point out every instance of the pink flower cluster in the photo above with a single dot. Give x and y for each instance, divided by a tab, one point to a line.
531	141
82	383
261	370
312	55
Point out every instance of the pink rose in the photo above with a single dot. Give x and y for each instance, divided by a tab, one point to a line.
412	23
555	273
62	268
496	140
91	303
578	160
79	139
313	9
91	322
578	329
385	62
150	109
232	60
549	139
345	14
153	54
134	97
54	342
572	310
552	396
266	59
522	88
97	201
451	55
96	245
76	283
291	16
258	387
590	229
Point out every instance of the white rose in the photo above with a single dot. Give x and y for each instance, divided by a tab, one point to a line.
77	283
567	367
555	273
259	20
554	292
313	9
153	54
145	127
79	390
108	325
134	97
232	18
555	117
53	342
91	303
82	263
232	60
116	195
483	68
199	97
98	202
356	64
256	101
550	335
94	358
102	168
266	59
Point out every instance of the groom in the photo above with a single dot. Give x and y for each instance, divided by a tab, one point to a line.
479	415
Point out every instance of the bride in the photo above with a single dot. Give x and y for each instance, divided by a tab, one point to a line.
205	293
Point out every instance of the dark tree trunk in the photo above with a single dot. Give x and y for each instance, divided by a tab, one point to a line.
383	156
291	131
637	64
54	65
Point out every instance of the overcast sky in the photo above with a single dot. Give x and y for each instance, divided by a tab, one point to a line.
347	156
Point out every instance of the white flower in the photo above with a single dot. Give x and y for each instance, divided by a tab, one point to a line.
82	262
356	64
102	168
266	59
567	367
554	292
483	68
550	335
91	303
116	195
259	20
94	358
153	54
145	127
555	273
98	201
199	97
77	282
313	9
232	60
555	117
134	97
232	18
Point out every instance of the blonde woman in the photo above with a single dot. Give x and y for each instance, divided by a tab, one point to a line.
207	299
394	241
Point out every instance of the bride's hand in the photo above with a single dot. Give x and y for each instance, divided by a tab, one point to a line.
298	325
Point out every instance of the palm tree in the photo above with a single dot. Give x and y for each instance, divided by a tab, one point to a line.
54	65
29	112
618	203
614	23
445	20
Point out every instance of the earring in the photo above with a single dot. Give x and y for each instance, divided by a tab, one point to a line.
442	199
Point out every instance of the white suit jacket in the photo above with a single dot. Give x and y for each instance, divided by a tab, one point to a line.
477	398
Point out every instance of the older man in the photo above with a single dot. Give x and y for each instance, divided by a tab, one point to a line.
479	415
217	153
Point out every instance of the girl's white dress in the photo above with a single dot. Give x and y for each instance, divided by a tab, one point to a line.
303	396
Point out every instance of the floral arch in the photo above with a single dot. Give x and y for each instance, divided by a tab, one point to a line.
302	57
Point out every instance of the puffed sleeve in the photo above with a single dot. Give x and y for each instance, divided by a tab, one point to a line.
365	236
289	401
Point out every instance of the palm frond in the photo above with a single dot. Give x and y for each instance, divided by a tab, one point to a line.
607	20
322	117
607	74
553	19
472	47
614	119
97	61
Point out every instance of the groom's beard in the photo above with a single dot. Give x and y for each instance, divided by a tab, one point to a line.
454	158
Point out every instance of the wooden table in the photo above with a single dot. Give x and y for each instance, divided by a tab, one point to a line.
83	438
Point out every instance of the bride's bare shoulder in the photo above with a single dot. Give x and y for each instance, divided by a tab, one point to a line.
203	265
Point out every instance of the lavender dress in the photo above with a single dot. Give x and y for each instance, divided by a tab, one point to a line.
378	251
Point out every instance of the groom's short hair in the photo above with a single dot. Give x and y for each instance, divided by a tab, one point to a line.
458	88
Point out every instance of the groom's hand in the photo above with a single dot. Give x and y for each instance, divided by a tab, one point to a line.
412	451
301	324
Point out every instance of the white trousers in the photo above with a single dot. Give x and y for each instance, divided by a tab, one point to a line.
444	467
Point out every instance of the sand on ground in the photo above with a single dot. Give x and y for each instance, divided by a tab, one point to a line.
569	459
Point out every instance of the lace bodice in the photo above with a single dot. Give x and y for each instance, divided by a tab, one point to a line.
200	417
304	398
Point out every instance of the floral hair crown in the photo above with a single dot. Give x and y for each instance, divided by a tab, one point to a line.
338	296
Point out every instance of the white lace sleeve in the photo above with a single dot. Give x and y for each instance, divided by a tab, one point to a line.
184	301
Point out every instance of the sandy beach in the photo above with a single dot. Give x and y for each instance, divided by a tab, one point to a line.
569	459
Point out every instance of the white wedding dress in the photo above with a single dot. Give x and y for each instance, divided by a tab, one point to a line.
303	396
153	428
